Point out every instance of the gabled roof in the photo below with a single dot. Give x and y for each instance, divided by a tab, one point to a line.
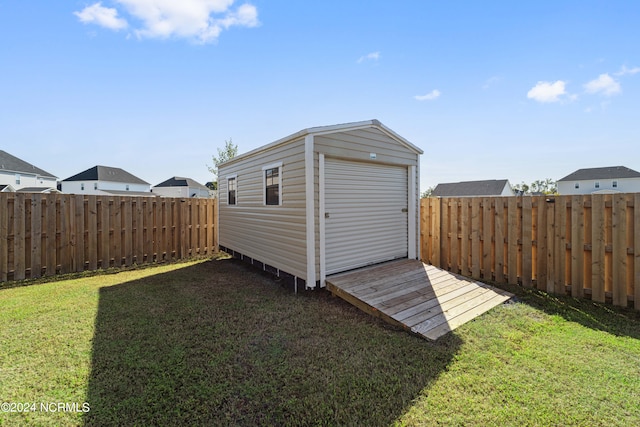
106	173
9	163
321	130
492	187
43	190
177	181
129	193
611	172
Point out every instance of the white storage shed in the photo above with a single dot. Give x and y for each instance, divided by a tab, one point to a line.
322	201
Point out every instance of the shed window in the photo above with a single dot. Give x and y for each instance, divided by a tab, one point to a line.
272	184
577	185
615	184
597	184
231	188
82	186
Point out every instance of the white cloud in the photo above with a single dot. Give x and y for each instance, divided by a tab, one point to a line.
103	16
547	91
624	71
429	96
491	81
373	56
604	84
198	20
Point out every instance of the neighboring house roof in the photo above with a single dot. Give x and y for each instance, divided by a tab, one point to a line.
13	164
177	181
129	193
106	173
38	190
493	187
6	188
611	172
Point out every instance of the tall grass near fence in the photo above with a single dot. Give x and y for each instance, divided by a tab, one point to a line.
48	234
585	246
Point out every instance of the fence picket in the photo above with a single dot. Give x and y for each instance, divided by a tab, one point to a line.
577	246
36	235
527	246
59	233
636	250
4	237
619	253
589	243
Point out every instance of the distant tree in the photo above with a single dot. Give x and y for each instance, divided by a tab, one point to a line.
427	193
229	151
546	186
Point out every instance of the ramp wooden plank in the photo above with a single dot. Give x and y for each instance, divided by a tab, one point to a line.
420	298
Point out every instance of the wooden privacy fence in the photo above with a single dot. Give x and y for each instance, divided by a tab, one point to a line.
585	246
47	234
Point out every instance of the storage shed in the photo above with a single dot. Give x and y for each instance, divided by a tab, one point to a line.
322	201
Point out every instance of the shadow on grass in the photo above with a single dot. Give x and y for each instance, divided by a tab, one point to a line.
221	344
615	320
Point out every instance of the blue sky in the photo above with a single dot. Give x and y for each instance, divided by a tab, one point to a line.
489	90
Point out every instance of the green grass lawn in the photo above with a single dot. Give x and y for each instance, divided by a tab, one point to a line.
217	343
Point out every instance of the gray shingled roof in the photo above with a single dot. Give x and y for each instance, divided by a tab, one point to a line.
13	164
611	172
36	190
492	187
178	181
106	173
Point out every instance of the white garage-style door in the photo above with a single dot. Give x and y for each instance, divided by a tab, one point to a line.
365	214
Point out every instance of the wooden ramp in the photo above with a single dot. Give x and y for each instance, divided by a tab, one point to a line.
421	298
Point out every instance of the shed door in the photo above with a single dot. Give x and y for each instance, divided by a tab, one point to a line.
365	214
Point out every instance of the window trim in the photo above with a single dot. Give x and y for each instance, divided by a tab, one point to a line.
277	165
234	177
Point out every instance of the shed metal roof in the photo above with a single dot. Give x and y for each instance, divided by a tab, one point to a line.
611	172
493	187
321	130
10	163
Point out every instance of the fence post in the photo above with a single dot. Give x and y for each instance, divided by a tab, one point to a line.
636	251
4	234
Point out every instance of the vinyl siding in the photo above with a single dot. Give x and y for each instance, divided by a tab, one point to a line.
274	235
359	144
625	185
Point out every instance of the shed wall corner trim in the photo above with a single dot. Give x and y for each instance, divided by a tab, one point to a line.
310	211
